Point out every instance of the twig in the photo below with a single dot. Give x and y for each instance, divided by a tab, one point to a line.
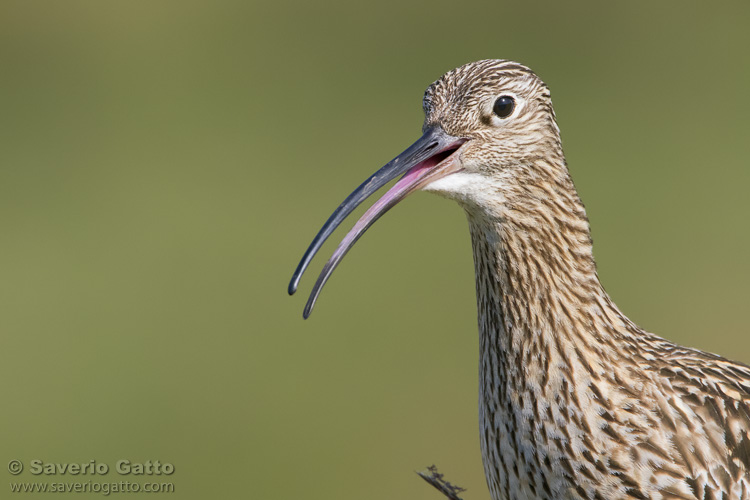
432	476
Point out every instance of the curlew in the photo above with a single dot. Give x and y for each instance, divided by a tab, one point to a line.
575	400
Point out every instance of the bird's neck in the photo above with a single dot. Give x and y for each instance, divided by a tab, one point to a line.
542	311
555	352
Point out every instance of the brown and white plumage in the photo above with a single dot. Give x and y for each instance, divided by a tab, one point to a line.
575	401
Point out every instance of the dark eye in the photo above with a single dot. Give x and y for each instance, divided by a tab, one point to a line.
504	105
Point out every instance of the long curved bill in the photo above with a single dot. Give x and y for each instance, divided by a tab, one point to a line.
428	159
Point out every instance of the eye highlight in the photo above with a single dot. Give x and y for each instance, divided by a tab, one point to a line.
504	106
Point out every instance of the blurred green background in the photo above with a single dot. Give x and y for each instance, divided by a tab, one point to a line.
163	165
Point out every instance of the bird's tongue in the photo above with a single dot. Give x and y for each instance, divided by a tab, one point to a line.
412	180
415	178
408	183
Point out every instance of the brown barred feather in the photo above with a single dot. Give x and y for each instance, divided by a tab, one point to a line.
575	401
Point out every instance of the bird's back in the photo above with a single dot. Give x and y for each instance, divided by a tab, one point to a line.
706	409
676	425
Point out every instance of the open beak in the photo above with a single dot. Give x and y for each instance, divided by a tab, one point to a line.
430	158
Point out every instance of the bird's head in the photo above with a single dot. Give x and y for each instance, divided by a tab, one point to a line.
484	122
504	112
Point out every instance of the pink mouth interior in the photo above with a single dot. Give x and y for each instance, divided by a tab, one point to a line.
405	185
410	179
